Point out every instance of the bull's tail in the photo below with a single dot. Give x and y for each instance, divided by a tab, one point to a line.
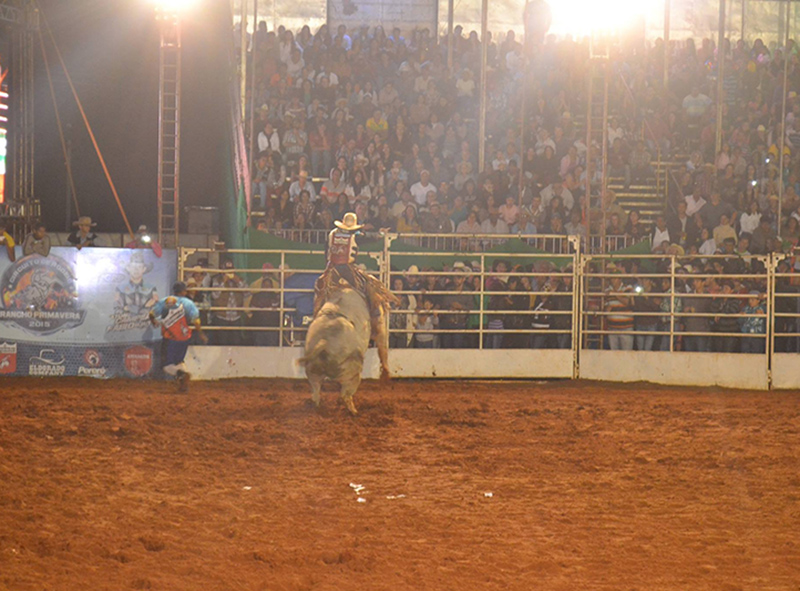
319	352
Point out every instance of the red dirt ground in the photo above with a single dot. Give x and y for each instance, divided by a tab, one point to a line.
241	485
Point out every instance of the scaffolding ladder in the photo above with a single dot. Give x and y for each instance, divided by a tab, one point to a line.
169	135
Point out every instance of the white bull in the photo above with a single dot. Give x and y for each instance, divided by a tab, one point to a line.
336	343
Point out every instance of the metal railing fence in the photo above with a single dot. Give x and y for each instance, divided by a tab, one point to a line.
520	300
476	243
691	303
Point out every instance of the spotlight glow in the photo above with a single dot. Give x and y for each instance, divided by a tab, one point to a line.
580	18
173	6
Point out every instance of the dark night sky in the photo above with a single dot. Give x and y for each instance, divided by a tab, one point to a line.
111	51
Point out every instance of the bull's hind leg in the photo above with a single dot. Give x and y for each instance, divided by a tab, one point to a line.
316	386
349	387
381	337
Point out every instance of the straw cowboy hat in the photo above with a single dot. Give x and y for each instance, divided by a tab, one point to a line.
349	222
84	220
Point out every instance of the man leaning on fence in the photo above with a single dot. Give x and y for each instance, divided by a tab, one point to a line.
228	294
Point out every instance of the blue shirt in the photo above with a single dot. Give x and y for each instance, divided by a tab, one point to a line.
176	320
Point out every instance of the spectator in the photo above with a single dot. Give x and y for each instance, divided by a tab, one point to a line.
695	105
401	323
754	324
619	318
697	319
408	223
421	189
725	321
84	236
228	293
37	242
660	235
494	224
7	240
425	320
266	299
646	306
268	139
143	239
333	187
437	222
196	289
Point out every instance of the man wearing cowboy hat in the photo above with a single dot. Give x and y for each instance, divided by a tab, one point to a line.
342	270
84	235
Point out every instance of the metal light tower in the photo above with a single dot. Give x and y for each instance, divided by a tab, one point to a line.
20	20
168	15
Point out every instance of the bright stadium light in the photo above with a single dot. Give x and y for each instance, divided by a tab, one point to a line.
580	18
172	7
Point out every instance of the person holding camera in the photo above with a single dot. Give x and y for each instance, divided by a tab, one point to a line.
143	239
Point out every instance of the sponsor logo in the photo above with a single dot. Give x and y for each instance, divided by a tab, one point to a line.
92	360
138	360
8	358
47	363
39	295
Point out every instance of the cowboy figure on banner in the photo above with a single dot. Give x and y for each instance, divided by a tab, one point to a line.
135	298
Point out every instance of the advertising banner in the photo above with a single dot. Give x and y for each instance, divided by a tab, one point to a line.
82	313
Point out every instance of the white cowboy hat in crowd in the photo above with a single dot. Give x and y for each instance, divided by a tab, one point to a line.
349	222
84	220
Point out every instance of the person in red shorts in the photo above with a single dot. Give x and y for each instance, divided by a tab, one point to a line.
179	318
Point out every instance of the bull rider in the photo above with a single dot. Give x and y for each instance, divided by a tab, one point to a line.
341	271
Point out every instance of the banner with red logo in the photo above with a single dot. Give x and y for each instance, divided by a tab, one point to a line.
82	313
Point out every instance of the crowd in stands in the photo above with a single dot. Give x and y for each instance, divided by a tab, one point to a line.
377	123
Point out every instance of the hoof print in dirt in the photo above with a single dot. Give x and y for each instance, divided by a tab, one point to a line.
152	544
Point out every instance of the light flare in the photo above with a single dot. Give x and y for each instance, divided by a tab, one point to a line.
581	18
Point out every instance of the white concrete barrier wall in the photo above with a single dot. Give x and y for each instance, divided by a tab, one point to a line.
786	371
215	363
677	368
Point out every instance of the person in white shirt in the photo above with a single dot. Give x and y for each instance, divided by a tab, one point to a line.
615	131
660	234
709	246
694	204
543	141
465	85
302	184
469	225
509	211
296	63
494	224
695	104
268	139
557	189
342	39
420	189
749	221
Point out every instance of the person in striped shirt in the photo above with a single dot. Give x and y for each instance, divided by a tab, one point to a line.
620	314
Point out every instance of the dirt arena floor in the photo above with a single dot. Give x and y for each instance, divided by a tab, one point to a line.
463	486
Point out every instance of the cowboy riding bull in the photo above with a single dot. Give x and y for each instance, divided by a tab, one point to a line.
350	307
